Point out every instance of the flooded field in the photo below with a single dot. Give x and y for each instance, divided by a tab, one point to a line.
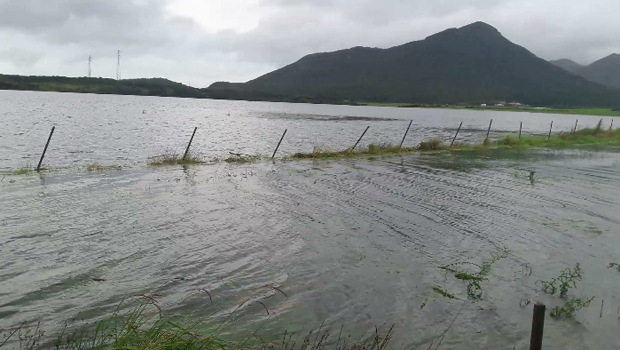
354	242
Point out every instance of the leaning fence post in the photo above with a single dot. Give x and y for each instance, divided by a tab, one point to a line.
360	139
575	129
279	143
538	326
190	143
489	131
550	128
520	129
457	134
45	149
403	141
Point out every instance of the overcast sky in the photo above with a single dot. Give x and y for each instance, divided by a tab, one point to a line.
199	42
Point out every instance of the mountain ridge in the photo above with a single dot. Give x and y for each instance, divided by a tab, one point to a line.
471	64
605	71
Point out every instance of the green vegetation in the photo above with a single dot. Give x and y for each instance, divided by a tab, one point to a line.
474	289
444	293
563	283
171	157
21	171
431	145
140	87
602	112
585	137
242	159
146	328
570	308
371	150
566	281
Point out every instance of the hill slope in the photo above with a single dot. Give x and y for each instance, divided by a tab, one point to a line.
568	65
140	87
472	64
605	71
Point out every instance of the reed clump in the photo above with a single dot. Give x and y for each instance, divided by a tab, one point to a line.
431	145
171	157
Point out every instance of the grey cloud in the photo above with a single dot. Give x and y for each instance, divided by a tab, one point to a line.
56	36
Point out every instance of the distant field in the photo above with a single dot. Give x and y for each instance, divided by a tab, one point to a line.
603	112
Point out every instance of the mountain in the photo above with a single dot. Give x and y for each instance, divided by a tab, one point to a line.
472	64
141	87
568	65
605	71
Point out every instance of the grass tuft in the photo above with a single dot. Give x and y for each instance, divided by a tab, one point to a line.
431	145
21	171
173	158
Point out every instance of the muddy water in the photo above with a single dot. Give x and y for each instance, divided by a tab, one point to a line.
355	242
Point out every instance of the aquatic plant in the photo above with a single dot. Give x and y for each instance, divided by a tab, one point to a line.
570	308
444	293
21	171
171	157
563	283
474	288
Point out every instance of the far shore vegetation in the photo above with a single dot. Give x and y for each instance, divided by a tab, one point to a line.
601	112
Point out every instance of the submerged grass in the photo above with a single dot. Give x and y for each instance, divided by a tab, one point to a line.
370	150
171	157
596	136
95	167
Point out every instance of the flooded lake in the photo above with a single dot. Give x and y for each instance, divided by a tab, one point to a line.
355	242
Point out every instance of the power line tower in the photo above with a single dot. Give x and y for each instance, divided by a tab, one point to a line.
118	66
90	71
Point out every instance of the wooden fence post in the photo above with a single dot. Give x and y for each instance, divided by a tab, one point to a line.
45	149
279	143
538	326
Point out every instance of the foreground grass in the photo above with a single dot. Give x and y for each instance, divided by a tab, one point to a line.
145	327
173	158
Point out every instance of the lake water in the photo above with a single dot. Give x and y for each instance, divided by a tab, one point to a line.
353	242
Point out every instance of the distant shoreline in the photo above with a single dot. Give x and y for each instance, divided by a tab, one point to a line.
603	112
158	87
